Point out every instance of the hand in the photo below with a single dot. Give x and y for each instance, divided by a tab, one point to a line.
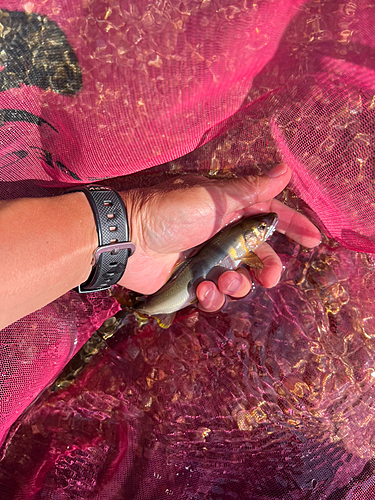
175	216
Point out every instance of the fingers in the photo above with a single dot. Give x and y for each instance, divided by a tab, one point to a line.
270	275
235	283
209	297
291	223
296	226
238	283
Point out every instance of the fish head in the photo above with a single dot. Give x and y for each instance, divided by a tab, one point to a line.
258	229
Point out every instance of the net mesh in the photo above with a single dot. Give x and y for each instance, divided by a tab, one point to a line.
273	396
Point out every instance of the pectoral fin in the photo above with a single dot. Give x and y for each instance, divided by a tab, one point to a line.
252	260
164	320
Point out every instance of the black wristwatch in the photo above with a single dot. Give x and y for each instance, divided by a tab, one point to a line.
114	247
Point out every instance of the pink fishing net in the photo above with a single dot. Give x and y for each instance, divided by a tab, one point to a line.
270	398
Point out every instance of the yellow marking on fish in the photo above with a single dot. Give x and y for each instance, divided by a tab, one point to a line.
141	318
233	253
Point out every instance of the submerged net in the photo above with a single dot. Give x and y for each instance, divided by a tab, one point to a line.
273	396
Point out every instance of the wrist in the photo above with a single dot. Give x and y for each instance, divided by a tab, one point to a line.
114	246
84	231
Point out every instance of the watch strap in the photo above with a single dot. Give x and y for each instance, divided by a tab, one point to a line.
114	247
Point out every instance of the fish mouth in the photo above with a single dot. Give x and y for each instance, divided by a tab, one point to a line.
272	227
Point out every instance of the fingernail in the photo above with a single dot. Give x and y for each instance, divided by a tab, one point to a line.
209	294
233	286
278	170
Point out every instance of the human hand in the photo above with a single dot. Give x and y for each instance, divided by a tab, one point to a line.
177	215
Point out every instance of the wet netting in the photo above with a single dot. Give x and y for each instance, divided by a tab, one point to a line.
274	396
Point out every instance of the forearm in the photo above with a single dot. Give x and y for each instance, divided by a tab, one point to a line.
46	247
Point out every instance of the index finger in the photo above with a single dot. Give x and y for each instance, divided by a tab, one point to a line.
291	223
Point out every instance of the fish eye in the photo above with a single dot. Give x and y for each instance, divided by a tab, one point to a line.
262	226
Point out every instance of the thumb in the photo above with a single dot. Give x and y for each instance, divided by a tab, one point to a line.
232	197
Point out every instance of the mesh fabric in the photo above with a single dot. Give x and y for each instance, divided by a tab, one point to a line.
271	398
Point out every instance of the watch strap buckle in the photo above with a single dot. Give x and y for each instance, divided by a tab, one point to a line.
113	248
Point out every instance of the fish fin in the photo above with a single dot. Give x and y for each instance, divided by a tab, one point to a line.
252	260
141	318
164	320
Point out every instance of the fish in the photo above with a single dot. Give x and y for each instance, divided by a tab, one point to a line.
227	250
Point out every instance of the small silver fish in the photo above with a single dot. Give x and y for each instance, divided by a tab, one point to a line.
228	249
